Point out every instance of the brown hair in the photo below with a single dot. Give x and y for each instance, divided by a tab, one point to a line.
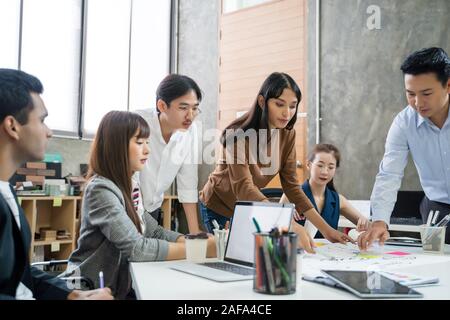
327	148
109	153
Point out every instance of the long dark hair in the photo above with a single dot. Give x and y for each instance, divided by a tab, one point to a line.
109	154
258	116
327	148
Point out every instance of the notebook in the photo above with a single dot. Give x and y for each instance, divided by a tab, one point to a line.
239	253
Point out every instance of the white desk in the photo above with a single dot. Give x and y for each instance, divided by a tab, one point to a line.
154	280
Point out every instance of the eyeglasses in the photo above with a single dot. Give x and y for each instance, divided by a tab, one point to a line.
195	110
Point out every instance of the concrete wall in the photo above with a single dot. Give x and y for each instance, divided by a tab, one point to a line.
361	85
198	57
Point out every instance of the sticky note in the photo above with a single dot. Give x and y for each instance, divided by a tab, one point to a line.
367	256
54	247
319	244
57	202
398	253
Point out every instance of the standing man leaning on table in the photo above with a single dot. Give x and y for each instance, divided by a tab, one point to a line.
422	128
173	147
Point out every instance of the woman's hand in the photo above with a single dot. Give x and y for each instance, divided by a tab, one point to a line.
211	247
304	239
298	216
362	225
334	236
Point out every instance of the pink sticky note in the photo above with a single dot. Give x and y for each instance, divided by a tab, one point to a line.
398	253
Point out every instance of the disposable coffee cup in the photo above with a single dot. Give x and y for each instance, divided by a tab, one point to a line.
196	245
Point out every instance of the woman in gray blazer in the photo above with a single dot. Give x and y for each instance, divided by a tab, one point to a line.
115	229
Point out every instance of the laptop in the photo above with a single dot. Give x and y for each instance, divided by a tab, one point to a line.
239	252
406	210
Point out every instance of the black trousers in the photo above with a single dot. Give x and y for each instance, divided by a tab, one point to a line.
427	205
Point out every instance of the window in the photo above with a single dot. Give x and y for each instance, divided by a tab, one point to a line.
9	33
91	56
150	51
235	5
51	40
107	60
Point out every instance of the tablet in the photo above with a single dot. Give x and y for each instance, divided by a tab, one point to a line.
371	284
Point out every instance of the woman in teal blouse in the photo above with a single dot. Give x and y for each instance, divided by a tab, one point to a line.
319	188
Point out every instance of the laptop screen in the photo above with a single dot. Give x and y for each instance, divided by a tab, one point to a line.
408	204
241	242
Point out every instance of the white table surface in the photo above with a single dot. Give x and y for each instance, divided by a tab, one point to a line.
155	280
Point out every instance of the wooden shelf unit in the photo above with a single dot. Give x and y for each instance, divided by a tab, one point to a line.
167	210
45	212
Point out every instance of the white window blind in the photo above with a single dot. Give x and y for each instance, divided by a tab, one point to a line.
107	60
51	42
9	33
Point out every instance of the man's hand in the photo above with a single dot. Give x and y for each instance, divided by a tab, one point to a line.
377	231
98	294
336	236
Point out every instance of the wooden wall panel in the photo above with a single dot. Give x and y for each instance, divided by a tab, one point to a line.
255	42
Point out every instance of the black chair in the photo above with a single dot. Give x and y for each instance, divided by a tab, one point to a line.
273	194
51	267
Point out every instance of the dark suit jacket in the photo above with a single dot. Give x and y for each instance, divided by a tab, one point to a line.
14	260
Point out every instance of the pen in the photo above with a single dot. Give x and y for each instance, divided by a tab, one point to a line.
436	214
215	224
430	216
258	229
102	282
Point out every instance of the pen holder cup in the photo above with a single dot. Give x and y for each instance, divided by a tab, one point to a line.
220	237
275	263
433	239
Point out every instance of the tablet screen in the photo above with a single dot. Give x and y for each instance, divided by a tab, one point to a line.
370	284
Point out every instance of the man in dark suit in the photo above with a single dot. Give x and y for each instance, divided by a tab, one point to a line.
24	137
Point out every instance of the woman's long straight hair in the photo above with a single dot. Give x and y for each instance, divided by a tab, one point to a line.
258	116
110	156
326	148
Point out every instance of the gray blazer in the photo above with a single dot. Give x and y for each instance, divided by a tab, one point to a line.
109	240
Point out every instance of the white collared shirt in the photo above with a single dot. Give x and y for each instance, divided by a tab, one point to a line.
22	292
167	161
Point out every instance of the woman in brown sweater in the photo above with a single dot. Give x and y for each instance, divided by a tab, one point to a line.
256	147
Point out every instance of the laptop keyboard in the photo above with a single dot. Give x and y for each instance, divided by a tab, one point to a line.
230	268
406	221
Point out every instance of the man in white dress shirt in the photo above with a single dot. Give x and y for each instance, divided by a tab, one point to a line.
173	147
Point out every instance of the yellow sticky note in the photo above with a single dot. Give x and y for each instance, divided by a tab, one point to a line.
319	244
20	201
54	247
57	202
367	256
